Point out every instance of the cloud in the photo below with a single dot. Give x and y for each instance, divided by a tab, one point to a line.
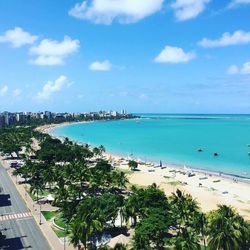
101	66
51	87
227	39
143	96
17	37
174	55
3	90
233	69
123	11
235	3
188	9
80	96
52	52
16	92
243	70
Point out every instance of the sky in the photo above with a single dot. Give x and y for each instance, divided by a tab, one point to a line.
145	56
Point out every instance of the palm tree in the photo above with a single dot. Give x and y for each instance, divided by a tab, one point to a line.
102	149
120	246
185	212
75	233
225	229
36	187
133	165
117	180
48	175
201	226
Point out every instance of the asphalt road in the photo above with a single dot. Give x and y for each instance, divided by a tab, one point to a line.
21	233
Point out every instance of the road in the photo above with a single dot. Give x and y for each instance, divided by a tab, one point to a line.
22	232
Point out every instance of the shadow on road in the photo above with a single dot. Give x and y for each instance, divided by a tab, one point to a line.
12	244
5	200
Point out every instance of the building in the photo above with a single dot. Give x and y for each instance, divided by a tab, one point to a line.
113	113
20	117
48	114
2	121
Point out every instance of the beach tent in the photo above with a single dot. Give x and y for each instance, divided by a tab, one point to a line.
50	198
119	239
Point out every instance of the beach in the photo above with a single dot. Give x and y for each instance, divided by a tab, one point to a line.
209	189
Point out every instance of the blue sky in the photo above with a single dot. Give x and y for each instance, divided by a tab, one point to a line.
179	56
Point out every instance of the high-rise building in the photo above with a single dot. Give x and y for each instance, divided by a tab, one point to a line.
48	114
2	121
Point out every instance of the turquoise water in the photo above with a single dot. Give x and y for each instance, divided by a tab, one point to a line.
174	139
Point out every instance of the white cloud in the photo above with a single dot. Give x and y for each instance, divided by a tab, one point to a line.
3	90
143	96
227	39
174	55
101	66
51	52
233	69
17	92
188	9
124	11
235	3
17	37
243	70
246	68
51	87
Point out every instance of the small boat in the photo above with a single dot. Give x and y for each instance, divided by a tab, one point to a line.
216	154
248	145
200	150
249	153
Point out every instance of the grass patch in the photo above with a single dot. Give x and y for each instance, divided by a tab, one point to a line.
48	215
32	196
130	185
40	194
59	221
174	183
59	233
125	171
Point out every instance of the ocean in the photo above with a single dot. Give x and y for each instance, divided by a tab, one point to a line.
173	139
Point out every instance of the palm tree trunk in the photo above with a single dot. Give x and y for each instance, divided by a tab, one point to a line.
204	242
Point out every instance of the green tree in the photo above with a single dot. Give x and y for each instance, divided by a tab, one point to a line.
227	229
185	214
133	165
75	229
151	231
36	187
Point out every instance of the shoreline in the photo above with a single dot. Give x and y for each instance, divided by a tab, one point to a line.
207	187
231	176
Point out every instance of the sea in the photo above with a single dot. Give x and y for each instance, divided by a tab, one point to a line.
173	139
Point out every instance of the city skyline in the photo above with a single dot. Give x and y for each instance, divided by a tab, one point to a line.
143	56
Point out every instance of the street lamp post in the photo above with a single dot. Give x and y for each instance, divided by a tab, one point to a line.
25	192
40	221
65	235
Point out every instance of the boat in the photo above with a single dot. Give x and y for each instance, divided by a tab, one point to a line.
216	154
199	149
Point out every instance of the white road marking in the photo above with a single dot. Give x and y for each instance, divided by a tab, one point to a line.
15	216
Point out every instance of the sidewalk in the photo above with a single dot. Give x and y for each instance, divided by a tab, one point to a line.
53	240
